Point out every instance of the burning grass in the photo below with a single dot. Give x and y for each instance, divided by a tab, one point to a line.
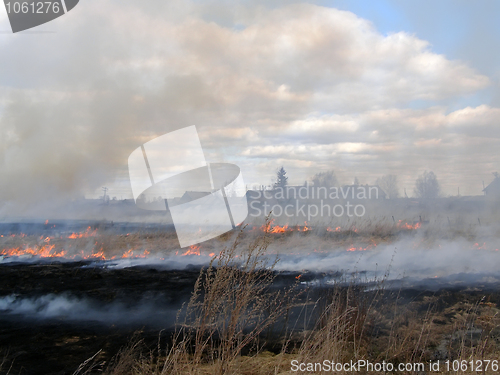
237	323
242	319
105	244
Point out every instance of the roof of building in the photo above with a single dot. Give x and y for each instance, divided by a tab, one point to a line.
192	195
493	186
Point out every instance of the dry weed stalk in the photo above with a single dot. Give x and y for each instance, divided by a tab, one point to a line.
231	306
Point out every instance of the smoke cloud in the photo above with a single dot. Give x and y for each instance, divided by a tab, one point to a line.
303	85
67	307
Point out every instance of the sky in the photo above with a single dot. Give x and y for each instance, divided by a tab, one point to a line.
362	88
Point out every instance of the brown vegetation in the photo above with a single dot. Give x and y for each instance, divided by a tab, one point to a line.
224	329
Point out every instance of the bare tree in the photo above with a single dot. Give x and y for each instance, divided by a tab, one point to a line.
389	184
326	179
427	186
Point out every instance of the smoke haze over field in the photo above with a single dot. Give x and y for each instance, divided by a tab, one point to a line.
403	259
307	86
66	307
417	254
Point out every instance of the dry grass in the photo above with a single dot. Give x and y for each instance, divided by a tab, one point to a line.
230	308
222	328
364	232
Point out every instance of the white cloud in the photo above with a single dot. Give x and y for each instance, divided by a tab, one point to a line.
302	85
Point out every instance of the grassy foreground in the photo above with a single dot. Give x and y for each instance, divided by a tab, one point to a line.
236	322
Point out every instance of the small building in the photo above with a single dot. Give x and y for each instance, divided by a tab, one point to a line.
315	193
493	189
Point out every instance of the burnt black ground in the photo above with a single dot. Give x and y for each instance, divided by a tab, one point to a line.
107	305
56	345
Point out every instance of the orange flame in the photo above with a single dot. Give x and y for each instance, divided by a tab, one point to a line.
87	233
48	251
329	229
405	225
354	248
278	229
44	252
271	228
480	247
130	254
193	250
305	229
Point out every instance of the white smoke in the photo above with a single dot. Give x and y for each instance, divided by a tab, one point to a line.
67	307
404	258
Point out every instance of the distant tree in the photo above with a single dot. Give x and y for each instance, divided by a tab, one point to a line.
281	178
356	181
427	186
496	174
326	179
389	184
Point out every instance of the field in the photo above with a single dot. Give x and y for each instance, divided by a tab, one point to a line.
94	298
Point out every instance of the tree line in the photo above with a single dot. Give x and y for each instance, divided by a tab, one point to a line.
426	185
